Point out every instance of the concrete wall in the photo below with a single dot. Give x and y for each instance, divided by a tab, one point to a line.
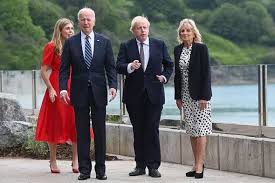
241	154
269	157
234	153
112	138
170	145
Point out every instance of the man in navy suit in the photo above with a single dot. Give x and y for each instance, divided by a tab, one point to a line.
90	57
147	65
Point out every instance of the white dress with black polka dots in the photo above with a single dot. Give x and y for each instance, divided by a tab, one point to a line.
197	122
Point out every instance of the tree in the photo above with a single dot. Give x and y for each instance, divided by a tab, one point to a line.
254	8
20	36
45	14
225	21
160	10
239	24
234	2
271	9
201	4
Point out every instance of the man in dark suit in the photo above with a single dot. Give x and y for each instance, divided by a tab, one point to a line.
147	65
90	57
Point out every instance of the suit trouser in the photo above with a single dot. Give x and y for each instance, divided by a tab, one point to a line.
145	118
83	116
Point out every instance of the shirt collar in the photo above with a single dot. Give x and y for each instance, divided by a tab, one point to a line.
146	42
91	35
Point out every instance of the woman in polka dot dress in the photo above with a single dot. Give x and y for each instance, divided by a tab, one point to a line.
193	90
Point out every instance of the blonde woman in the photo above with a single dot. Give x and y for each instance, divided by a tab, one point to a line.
56	121
193	90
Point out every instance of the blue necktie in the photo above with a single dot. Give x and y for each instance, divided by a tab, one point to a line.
88	52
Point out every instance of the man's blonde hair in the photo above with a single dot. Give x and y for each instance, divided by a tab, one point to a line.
138	19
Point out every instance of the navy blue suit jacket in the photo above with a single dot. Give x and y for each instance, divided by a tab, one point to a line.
102	65
136	83
199	78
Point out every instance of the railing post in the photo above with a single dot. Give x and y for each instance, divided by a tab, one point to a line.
182	121
265	95
33	91
262	81
121	84
1	81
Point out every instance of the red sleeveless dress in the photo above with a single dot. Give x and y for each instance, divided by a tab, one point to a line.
56	121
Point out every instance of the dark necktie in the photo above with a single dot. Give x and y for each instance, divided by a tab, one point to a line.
141	54
88	52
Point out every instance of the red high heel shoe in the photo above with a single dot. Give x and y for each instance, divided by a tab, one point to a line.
54	170
75	170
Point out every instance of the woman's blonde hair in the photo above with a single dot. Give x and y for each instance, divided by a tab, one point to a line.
198	38
57	38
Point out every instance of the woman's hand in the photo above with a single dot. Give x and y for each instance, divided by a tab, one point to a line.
179	103
52	94
202	104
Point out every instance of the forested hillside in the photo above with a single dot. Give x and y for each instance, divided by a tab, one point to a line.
236	31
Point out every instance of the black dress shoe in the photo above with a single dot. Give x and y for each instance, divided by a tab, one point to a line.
154	173
199	175
137	171
101	177
83	176
190	174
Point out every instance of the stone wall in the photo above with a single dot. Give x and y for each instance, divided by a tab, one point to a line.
236	153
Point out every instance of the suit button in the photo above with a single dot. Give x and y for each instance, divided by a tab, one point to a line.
89	83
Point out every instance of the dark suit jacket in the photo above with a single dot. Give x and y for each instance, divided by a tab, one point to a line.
199	73
136	83
102	64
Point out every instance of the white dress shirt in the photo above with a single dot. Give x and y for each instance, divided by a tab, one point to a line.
91	40
146	54
146	48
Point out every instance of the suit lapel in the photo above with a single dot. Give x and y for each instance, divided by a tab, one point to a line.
179	52
79	46
133	51
96	47
194	49
151	54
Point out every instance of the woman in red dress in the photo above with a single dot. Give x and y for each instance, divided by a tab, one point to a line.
56	120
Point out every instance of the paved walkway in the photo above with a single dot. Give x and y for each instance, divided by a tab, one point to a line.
37	171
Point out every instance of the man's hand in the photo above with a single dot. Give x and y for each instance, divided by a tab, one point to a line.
65	97
112	92
135	65
161	78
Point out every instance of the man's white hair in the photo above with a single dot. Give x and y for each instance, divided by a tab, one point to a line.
85	9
